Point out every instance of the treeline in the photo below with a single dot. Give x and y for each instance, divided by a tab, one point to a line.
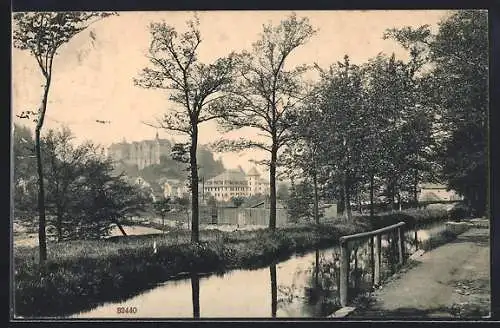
84	197
380	128
376	127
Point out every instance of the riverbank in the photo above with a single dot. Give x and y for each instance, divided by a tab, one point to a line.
82	274
451	281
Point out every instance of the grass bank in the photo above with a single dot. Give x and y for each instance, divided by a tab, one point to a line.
80	275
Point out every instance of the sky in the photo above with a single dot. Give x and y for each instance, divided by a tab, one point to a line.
93	72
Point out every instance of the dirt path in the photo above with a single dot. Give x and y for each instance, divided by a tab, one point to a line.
451	281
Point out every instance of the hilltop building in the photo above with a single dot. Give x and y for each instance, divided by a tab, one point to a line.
236	183
140	153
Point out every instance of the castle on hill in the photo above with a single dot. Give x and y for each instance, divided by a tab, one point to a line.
140	153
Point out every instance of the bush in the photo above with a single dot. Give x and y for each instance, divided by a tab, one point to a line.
86	273
413	217
459	212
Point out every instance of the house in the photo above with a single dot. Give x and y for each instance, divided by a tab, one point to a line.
436	192
174	188
231	183
257	184
236	183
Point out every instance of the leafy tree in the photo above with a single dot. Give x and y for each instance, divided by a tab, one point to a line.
42	34
193	86
304	155
282	192
64	164
299	203
342	125
103	199
458	90
460	51
161	207
265	94
24	173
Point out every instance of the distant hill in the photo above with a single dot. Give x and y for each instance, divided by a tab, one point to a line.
171	169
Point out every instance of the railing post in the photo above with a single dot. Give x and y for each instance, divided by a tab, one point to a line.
372	258
378	258
416	239
401	245
344	272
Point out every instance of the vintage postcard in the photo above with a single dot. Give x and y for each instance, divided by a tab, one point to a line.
250	164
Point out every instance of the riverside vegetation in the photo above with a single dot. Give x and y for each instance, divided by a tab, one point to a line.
80	275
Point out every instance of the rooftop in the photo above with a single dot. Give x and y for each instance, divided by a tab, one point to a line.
433	186
230	175
253	172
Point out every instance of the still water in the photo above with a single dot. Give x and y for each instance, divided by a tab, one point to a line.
302	286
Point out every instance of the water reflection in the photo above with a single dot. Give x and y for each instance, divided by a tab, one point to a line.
195	290
274	291
303	286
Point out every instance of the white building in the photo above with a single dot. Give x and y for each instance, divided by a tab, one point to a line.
174	188
256	183
436	192
236	183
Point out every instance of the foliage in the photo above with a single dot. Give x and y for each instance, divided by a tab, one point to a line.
265	94
300	201
84	198
42	34
110	270
458	90
283	192
24	173
195	88
64	165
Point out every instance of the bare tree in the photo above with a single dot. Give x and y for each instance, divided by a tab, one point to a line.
265	94
42	34
195	88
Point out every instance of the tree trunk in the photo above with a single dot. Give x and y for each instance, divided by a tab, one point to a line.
347	199
316	270
195	233
372	205
341	205
274	290
398	195
316	198
59	224
195	294
42	236
391	193
415	189
360	203
120	227
272	182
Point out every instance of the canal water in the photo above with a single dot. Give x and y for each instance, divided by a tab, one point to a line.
303	286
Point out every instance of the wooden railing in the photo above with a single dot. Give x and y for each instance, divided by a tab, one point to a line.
376	252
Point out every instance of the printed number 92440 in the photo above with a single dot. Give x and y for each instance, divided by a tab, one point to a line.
126	309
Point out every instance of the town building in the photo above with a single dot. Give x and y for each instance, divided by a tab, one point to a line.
257	184
236	183
140	153
174	188
436	192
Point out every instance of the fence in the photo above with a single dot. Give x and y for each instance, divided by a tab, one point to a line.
242	216
375	238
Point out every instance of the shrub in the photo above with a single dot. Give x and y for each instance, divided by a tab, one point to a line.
459	212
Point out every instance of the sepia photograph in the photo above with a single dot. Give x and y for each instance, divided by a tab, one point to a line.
252	164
